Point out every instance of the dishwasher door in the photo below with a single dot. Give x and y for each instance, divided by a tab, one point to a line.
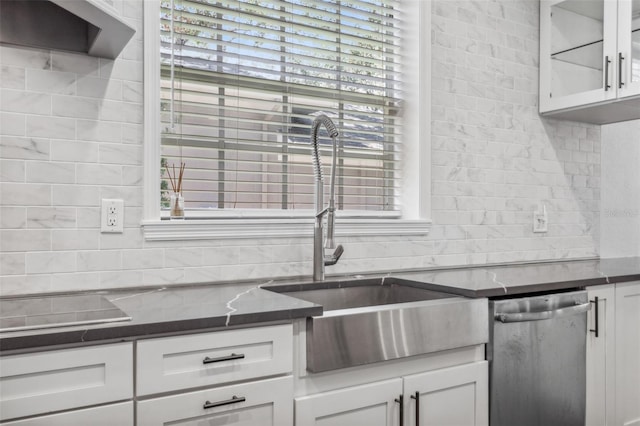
537	360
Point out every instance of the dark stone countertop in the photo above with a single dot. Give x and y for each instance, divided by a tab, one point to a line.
185	309
515	279
164	310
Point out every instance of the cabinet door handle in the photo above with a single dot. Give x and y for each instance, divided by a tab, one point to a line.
416	396
400	400
234	400
620	59
231	357
607	61
597	326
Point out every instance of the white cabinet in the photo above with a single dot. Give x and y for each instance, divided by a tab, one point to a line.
260	403
372	404
601	357
217	378
448	396
205	359
628	354
590	60
46	382
120	414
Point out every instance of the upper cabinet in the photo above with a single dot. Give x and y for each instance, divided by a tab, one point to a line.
590	60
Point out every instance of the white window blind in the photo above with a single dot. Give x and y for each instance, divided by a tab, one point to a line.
241	82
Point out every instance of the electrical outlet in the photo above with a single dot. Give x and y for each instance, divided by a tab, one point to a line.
112	217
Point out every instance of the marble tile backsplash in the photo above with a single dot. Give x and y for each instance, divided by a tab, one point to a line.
71	134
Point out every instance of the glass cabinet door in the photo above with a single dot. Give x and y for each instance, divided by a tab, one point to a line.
578	46
629	47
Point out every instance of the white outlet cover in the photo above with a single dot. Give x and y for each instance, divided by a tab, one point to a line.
112	216
540	221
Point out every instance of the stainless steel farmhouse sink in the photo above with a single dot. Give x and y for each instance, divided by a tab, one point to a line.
377	319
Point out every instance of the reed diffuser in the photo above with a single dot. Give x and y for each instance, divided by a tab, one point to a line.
176	201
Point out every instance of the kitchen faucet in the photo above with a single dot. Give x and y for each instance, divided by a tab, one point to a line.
319	258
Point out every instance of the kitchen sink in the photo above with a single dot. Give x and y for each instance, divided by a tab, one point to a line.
368	294
378	319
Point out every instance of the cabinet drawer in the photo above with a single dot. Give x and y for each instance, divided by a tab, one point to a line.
207	359
58	380
261	403
108	415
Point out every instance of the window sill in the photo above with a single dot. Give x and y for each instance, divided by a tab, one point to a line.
238	228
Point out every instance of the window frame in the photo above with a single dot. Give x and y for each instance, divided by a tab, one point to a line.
230	224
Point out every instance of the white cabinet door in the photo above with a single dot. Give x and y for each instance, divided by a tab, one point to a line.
601	357
372	404
577	53
260	403
208	359
628	354
44	382
108	415
628	48
451	396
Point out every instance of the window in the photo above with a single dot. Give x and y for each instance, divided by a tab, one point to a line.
240	83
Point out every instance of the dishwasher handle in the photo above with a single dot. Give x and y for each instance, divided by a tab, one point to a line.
538	316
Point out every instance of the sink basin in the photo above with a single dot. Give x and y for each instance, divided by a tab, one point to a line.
379	319
357	296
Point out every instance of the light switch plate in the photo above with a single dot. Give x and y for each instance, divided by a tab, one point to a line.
112	216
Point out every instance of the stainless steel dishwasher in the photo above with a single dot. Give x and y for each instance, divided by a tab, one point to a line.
537	360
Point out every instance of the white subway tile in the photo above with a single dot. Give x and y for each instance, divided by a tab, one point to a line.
89	217
99	260
132	175
24	148
75	239
75	281
46	81
25	194
25	57
100	88
12	171
51	217
13	217
25	102
69	150
132	133
163	276
99	131
80	64
25	240
132	92
51	127
12	124
25	284
12	264
12	77
50	262
75	106
121	154
120	279
99	174
142	259
50	172
76	195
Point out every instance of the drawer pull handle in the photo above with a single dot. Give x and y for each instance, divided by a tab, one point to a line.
234	400
231	357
